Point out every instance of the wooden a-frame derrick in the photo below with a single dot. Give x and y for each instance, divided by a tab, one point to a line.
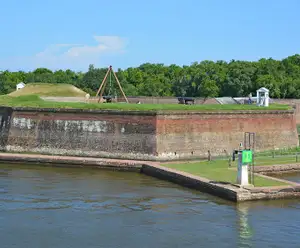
104	82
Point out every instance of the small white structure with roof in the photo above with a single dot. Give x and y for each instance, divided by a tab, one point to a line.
263	98
20	86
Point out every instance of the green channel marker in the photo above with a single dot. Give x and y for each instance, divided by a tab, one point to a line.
246	156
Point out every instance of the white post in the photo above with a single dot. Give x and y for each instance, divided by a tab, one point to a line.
266	99
242	176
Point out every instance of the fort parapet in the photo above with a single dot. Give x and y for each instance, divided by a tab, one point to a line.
142	135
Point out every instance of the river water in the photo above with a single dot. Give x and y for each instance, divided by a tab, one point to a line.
43	207
294	176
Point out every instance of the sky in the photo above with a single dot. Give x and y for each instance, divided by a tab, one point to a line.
70	34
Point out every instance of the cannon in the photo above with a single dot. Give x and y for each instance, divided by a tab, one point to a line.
186	100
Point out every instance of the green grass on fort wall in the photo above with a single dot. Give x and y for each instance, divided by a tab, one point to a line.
35	101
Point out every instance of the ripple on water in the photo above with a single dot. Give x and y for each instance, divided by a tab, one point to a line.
87	208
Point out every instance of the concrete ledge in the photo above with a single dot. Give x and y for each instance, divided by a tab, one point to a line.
275	169
68	161
227	191
272	193
58	152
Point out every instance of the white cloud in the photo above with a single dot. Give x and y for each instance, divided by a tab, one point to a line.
71	56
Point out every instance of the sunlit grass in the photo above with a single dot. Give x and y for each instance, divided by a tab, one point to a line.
45	89
37	102
219	170
277	160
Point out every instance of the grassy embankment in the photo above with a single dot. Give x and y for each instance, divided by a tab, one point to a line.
29	96
218	170
44	89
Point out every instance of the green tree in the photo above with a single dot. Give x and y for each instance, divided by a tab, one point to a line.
209	88
200	79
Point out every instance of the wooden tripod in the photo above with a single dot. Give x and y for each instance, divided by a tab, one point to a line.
103	84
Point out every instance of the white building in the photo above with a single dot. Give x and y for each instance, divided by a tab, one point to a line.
20	86
262	97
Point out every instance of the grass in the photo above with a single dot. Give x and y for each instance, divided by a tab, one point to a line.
218	171
45	89
36	101
289	151
289	159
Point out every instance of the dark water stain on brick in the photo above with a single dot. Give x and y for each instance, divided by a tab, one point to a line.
142	135
6	116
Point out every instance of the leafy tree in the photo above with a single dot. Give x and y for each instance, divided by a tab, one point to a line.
209	88
200	79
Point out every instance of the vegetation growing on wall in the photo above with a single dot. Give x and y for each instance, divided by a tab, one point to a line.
207	78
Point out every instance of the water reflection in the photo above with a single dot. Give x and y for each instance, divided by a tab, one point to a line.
245	230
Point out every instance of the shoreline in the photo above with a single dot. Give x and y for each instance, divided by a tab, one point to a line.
71	161
228	191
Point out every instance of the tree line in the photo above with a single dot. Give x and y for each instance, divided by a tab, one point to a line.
200	79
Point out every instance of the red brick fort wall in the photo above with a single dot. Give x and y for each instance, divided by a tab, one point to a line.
142	135
192	135
101	134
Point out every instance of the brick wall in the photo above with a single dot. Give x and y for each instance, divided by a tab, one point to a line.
292	102
192	135
141	135
5	116
104	134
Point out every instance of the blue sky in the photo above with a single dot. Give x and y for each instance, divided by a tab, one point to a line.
61	34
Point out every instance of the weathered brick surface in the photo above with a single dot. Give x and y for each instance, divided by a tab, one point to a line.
293	102
192	135
5	116
143	136
90	134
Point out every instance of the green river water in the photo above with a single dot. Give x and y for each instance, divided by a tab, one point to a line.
43	207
